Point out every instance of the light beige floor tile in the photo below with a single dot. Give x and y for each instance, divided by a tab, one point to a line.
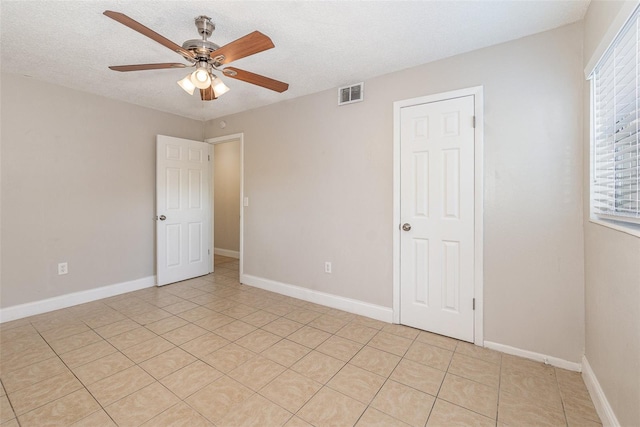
445	414
475	369
87	354
6	411
184	334
373	418
142	405
259	318
97	419
543	389
73	342
370	323
390	343
286	352
228	357
235	330
331	408
356	383
402	331
204	344
238	311
180	415
180	306
575	420
404	403
340	348
116	328
376	361
168	362
530	367
328	323
256	411
256	372
481	353
214	321
150	316
297	422
19	360
106	366
258	340
41	393
302	316
220	304
195	314
290	390
437	340
66	331
148	349
518	410
281	309
282	327
21	378
309	337
216	399
471	395
317	366
418	376
356	332
429	355
119	385
167	324
191	378
131	338
580	407
61	412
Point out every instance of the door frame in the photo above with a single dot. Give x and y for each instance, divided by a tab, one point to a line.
220	140
478	273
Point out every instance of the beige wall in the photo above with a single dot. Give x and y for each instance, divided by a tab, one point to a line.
226	193
78	186
320	182
612	274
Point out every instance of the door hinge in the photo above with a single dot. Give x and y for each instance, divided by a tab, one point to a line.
474	303
209	156
474	122
209	251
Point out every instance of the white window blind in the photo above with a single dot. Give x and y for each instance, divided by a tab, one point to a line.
615	172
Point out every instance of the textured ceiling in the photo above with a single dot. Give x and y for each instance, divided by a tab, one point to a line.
319	44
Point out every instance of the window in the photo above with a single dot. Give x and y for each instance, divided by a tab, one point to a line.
615	155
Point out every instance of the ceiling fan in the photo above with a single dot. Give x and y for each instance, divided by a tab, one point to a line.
206	57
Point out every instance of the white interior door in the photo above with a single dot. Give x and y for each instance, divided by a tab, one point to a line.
437	217
183	209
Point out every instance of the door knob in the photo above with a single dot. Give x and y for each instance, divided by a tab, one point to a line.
406	226
162	218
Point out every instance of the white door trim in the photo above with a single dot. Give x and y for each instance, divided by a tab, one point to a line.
220	140
477	93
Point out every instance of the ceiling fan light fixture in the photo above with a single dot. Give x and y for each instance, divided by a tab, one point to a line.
201	78
187	85
219	88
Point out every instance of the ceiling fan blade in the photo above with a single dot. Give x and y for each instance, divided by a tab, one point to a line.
207	94
248	45
256	79
135	25
141	67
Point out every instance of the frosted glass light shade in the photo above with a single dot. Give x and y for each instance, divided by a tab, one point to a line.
219	88
187	85
200	78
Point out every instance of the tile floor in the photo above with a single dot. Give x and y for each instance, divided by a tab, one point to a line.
210	351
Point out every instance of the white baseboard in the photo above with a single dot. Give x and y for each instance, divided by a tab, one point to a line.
362	308
538	357
63	301
604	409
227	252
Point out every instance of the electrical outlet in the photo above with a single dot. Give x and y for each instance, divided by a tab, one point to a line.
327	267
63	268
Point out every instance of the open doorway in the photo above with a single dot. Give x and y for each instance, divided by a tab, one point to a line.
227	174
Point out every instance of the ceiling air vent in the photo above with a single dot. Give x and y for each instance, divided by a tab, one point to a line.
351	94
